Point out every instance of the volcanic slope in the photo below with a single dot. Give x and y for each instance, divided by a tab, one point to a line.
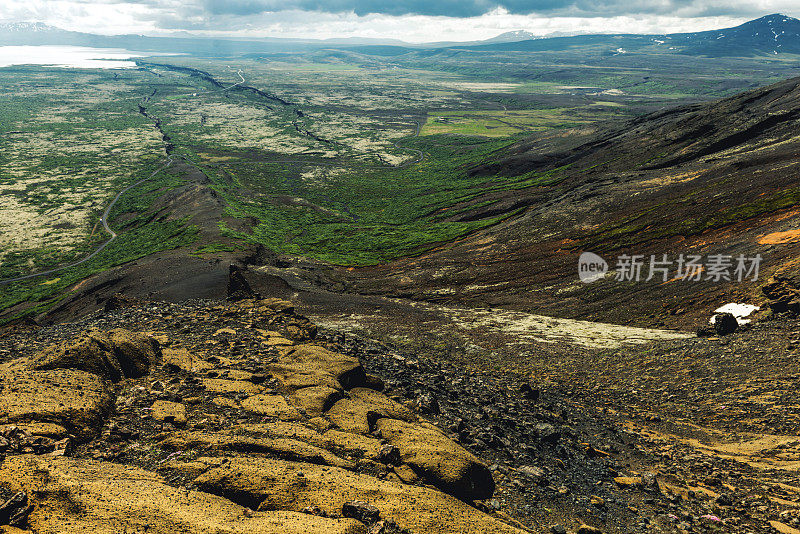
714	178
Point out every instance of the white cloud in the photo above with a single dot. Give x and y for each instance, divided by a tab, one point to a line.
91	17
418	28
163	16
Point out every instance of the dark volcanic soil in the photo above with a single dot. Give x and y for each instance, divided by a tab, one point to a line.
689	435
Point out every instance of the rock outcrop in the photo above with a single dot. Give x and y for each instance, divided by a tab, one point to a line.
70	384
113	355
783	292
277	485
107	498
77	401
288	436
435	457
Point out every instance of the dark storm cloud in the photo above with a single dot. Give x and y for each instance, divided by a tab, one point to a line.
471	8
453	8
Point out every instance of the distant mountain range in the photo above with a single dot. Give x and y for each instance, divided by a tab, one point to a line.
513	37
37	33
773	34
770	35
27	27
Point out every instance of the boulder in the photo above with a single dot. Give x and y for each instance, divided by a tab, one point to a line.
113	355
91	352
266	484
135	352
359	413
439	459
78	401
381	404
783	291
311	365
725	323
79	496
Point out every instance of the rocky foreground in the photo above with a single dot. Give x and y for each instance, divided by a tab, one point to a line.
255	429
241	417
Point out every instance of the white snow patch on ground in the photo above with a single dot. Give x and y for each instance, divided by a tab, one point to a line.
740	311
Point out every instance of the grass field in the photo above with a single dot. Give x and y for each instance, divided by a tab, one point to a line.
359	215
512	123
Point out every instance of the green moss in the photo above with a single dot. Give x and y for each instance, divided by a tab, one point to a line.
215	248
367	215
133	244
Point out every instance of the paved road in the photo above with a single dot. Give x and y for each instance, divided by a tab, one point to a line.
104	220
113	234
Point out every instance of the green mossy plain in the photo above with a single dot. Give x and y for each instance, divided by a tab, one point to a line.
358	196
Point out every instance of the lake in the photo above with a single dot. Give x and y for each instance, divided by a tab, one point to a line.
68	56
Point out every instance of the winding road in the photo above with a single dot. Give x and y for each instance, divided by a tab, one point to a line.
106	213
104	220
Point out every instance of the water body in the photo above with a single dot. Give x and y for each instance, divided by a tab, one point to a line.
79	57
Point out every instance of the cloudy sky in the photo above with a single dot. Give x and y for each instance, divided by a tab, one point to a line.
409	20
